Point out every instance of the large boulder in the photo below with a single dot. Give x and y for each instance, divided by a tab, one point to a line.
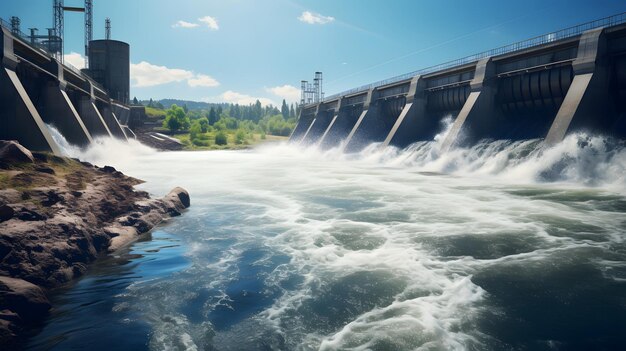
24	298
182	195
12	151
6	213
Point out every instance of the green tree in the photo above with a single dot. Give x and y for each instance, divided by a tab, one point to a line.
235	111
204	124
194	130
292	112
135	101
221	138
213	117
284	110
257	111
176	119
240	136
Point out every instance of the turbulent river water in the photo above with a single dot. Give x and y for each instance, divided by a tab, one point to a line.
502	246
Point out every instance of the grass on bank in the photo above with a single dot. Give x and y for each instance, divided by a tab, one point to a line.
155	113
206	141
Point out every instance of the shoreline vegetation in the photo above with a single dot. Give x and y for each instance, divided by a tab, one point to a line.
220	126
57	215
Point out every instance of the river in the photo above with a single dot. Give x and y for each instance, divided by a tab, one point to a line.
501	246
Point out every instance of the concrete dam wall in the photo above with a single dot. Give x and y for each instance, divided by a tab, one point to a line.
36	90
544	87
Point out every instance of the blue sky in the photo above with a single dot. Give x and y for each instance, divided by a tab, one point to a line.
241	50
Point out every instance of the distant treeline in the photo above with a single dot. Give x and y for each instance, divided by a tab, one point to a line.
253	112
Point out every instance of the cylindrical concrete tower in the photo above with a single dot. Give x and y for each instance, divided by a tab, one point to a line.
109	65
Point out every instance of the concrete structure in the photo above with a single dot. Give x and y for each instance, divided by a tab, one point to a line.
37	92
109	65
544	87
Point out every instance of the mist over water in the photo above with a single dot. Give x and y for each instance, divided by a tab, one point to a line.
503	245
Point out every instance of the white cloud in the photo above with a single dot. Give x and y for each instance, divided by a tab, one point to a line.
287	92
183	24
234	97
145	74
202	80
75	59
211	22
315	18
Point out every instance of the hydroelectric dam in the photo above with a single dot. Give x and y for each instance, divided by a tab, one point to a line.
38	90
545	87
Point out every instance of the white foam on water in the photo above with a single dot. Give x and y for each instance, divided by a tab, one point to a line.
387	217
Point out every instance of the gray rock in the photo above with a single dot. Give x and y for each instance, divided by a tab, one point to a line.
24	298
182	195
10	196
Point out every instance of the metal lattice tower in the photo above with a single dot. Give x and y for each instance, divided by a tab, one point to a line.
58	13
15	25
320	87
88	28
107	28
312	93
57	21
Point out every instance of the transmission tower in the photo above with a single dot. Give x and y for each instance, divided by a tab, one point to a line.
57	21
15	25
58	13
107	28
88	28
312	93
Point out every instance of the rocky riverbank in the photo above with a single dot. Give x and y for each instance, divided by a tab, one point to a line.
56	216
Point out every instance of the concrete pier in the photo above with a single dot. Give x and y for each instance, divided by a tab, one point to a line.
326	113
92	118
340	127
110	120
541	88
478	108
36	91
19	119
587	105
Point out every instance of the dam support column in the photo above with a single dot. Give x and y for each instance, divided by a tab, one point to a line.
370	111
479	108
341	126
19	119
59	111
587	100
332	121
304	123
310	125
111	121
412	124
323	119
91	116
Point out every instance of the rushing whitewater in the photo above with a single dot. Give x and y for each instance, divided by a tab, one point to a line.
504	245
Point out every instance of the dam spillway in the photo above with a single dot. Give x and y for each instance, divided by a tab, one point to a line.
37	91
545	87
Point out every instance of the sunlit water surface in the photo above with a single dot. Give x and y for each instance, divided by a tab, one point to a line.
498	247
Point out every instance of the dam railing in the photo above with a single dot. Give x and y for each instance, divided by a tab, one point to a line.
521	45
